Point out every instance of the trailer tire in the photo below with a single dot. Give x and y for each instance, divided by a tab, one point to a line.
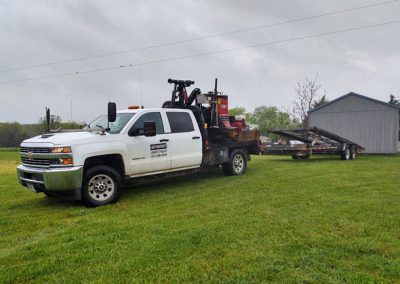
353	152
101	185
237	164
345	155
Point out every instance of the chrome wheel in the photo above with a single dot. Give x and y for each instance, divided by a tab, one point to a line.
238	163
101	187
347	153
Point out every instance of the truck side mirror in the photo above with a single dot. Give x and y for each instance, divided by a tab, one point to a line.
112	112
150	128
133	132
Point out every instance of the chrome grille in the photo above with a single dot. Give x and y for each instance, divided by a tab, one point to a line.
28	156
36	162
35	150
42	157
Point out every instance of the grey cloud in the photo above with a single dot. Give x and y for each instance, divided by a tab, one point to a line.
34	32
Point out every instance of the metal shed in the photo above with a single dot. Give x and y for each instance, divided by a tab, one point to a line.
371	123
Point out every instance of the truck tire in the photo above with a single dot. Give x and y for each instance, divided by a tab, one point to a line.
345	155
166	104
101	185
237	164
353	153
49	195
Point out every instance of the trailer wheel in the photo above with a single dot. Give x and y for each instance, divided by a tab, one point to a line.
102	185
345	155
300	157
353	153
237	164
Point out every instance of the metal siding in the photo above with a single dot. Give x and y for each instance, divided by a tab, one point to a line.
372	125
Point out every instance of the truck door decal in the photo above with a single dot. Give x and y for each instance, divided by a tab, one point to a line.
158	150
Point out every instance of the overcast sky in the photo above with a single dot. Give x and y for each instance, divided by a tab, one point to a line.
39	32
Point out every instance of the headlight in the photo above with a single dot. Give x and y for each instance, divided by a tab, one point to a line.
61	150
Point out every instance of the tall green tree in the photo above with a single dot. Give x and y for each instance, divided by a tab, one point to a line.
267	117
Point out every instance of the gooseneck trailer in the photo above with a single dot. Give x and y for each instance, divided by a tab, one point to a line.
314	141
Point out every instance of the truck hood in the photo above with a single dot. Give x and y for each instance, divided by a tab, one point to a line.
62	138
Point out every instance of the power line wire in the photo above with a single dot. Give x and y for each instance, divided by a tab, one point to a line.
200	38
204	53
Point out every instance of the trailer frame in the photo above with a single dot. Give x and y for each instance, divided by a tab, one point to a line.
316	141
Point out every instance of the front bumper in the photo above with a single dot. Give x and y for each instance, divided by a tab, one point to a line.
51	180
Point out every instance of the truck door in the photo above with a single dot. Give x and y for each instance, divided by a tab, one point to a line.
149	154
185	140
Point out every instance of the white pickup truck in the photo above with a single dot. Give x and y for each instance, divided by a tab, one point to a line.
95	163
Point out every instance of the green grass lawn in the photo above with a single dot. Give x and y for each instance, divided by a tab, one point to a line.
317	221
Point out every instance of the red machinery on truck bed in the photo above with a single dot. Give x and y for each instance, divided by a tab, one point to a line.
221	133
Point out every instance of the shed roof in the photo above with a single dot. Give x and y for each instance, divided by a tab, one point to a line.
356	95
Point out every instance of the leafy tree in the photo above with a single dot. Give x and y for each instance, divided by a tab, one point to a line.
72	125
55	122
317	103
32	130
394	101
11	134
240	111
237	111
267	117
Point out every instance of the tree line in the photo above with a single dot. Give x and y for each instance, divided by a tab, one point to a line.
13	133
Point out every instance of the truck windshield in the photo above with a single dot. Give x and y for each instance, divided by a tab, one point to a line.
115	127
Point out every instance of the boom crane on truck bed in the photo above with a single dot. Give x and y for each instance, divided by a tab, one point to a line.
221	133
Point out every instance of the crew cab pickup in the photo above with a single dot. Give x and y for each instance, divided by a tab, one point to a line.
94	164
